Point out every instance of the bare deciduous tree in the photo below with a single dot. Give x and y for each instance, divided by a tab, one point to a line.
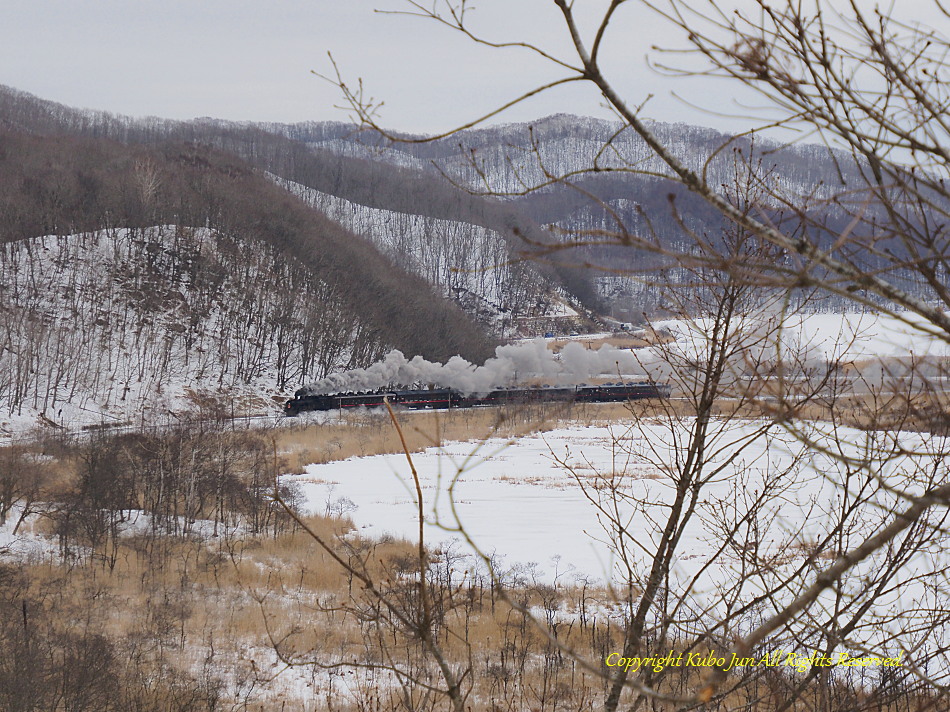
872	88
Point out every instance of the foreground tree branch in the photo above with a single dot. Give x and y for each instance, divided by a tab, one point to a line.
873	88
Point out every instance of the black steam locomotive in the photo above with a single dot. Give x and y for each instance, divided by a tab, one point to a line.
450	398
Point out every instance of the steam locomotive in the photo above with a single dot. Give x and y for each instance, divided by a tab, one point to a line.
450	398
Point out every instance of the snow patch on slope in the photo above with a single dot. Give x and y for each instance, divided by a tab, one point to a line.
469	263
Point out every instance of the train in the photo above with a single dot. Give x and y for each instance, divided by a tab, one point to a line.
441	398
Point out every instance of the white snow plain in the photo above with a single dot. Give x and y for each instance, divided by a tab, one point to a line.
829	336
531	505
529	500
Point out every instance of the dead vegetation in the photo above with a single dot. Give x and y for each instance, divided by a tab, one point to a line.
247	616
369	432
271	622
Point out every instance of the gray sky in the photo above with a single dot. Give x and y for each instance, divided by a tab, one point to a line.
252	60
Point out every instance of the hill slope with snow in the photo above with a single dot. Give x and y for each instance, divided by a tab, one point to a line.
127	324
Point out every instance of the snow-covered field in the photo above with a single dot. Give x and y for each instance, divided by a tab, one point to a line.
512	497
831	336
548	508
868	335
532	500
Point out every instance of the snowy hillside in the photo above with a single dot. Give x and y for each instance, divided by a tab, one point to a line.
511	157
469	263
124	324
618	182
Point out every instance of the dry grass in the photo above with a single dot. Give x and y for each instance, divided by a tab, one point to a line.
239	600
228	603
247	593
371	433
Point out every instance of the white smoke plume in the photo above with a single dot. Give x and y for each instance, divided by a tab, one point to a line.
512	364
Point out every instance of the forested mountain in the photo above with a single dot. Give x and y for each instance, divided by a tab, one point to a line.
251	258
508	157
373	184
511	160
138	273
336	161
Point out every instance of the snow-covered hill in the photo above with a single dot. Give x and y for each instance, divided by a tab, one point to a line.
126	324
509	158
524	162
471	264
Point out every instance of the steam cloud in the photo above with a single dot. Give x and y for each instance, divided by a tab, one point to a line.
512	364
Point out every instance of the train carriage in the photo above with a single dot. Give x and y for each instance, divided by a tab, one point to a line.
441	398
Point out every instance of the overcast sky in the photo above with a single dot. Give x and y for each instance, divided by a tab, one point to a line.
252	60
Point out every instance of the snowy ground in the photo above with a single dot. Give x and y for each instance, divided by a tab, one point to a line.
27	544
829	336
532	503
529	500
511	496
